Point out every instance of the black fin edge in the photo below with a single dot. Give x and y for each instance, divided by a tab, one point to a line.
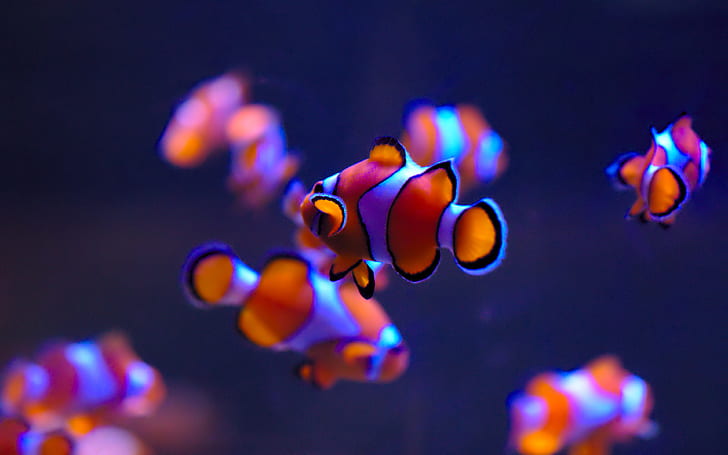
335	199
679	201
495	253
421	275
451	174
366	291
337	276
394	142
193	259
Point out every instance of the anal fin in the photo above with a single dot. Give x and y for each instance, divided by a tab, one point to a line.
364	279
356	351
341	266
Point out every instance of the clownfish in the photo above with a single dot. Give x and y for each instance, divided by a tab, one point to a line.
389	209
198	125
587	409
18	438
433	134
260	161
289	306
664	178
82	384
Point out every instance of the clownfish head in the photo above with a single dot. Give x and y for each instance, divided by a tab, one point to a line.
324	213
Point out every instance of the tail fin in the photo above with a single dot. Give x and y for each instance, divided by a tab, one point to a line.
214	275
476	235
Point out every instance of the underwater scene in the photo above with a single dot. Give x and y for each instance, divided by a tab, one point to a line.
376	228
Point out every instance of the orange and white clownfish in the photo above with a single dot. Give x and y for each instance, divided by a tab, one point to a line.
587	409
197	127
389	209
311	247
664	178
460	132
289	306
82	384
18	438
260	161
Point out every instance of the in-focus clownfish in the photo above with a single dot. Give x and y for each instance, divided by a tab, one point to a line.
261	163
198	124
664	178
82	384
460	132
389	209
289	306
17	438
587	409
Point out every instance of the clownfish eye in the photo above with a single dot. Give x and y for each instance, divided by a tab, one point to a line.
318	187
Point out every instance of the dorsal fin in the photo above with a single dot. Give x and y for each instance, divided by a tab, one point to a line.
387	151
331	214
446	182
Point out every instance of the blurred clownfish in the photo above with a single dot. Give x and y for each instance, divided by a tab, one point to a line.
110	441
82	384
587	409
17	438
260	163
460	132
389	209
289	306
197	127
665	177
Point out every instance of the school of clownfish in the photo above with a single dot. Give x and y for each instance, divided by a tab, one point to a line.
399	207
69	397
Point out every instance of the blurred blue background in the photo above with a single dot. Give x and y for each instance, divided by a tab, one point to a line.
95	225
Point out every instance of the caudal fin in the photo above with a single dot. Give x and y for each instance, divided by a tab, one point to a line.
476	235
214	275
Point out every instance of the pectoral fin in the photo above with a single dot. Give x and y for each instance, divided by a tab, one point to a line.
331	214
666	193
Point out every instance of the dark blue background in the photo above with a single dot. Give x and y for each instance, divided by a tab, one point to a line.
95	226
